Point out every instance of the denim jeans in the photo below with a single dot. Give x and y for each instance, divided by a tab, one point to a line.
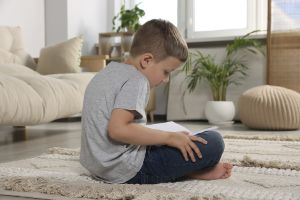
166	164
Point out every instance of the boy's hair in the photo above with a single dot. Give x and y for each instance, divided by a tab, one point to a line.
160	38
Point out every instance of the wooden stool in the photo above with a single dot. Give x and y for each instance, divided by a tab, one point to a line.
151	105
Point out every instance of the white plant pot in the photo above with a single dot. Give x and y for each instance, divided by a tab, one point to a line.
220	112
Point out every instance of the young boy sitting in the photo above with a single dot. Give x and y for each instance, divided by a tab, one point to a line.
116	147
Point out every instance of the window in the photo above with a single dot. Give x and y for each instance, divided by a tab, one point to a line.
215	19
154	9
285	15
208	20
221	17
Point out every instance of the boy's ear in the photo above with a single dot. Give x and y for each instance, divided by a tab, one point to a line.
146	60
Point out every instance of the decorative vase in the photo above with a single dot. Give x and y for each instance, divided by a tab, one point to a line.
126	40
220	112
105	41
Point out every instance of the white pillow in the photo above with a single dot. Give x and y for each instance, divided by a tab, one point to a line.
8	57
61	58
12	42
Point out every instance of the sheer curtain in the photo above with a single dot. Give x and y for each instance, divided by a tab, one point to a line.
284	43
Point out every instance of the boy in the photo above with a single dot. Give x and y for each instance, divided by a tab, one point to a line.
115	146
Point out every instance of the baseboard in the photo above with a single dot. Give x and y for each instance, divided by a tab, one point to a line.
159	118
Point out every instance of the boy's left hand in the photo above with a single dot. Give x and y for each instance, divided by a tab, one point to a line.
185	143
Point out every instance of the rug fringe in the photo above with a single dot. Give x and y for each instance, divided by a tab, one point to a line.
99	190
247	161
259	137
64	151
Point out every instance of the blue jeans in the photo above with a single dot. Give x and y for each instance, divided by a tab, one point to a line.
166	164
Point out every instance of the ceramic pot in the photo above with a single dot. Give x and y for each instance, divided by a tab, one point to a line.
220	112
126	40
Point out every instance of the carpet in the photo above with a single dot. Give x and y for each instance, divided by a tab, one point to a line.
264	169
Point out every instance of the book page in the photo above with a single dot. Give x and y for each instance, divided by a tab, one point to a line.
174	127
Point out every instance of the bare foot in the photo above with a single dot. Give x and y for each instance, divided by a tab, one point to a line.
220	171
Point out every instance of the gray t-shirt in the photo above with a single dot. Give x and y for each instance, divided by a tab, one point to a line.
117	86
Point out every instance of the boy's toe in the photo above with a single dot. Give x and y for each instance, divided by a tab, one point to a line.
227	165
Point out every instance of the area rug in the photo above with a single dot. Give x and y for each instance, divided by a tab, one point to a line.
264	169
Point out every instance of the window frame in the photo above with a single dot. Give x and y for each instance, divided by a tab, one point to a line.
256	17
256	20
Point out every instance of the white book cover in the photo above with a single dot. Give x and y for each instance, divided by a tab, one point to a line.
175	127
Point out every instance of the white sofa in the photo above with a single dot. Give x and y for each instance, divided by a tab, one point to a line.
26	96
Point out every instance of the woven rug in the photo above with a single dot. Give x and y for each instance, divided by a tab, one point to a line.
264	169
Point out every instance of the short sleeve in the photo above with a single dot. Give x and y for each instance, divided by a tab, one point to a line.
133	95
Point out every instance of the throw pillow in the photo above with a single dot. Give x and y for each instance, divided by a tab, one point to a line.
61	58
12	42
8	57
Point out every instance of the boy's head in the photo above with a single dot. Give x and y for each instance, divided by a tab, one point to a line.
160	38
158	49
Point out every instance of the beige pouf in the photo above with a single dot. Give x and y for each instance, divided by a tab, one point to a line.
270	107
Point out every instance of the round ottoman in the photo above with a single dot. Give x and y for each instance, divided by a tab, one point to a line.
270	107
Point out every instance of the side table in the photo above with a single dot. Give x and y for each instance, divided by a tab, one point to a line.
151	105
93	63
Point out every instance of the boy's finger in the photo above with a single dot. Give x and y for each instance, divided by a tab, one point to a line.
199	139
184	153
190	152
196	149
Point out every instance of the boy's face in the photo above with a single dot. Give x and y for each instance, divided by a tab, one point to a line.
158	72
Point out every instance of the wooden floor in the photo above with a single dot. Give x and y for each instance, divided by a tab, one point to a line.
20	143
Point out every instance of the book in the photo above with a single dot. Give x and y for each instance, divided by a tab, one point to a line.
175	127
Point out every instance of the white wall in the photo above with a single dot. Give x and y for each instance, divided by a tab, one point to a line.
56	21
29	15
87	18
66	19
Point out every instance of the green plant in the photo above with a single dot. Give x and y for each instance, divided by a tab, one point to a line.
231	70
129	19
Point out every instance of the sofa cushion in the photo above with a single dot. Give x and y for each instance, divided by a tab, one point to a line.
61	58
33	99
78	80
16	69
20	103
12	49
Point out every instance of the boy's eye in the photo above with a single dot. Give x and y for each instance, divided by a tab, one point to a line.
166	73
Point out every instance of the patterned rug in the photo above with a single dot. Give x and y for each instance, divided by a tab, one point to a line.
264	169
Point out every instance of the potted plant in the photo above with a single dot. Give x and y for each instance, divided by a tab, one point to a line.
129	23
129	19
219	76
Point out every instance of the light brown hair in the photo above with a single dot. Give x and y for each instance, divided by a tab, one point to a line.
160	38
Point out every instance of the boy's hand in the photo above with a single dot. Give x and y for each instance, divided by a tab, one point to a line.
185	143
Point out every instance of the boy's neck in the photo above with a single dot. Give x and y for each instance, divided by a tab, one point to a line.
133	61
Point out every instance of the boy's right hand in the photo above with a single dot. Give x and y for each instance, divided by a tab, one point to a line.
185	143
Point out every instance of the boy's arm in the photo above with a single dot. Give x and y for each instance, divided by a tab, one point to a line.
122	129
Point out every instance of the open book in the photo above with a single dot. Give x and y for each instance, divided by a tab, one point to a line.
174	127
